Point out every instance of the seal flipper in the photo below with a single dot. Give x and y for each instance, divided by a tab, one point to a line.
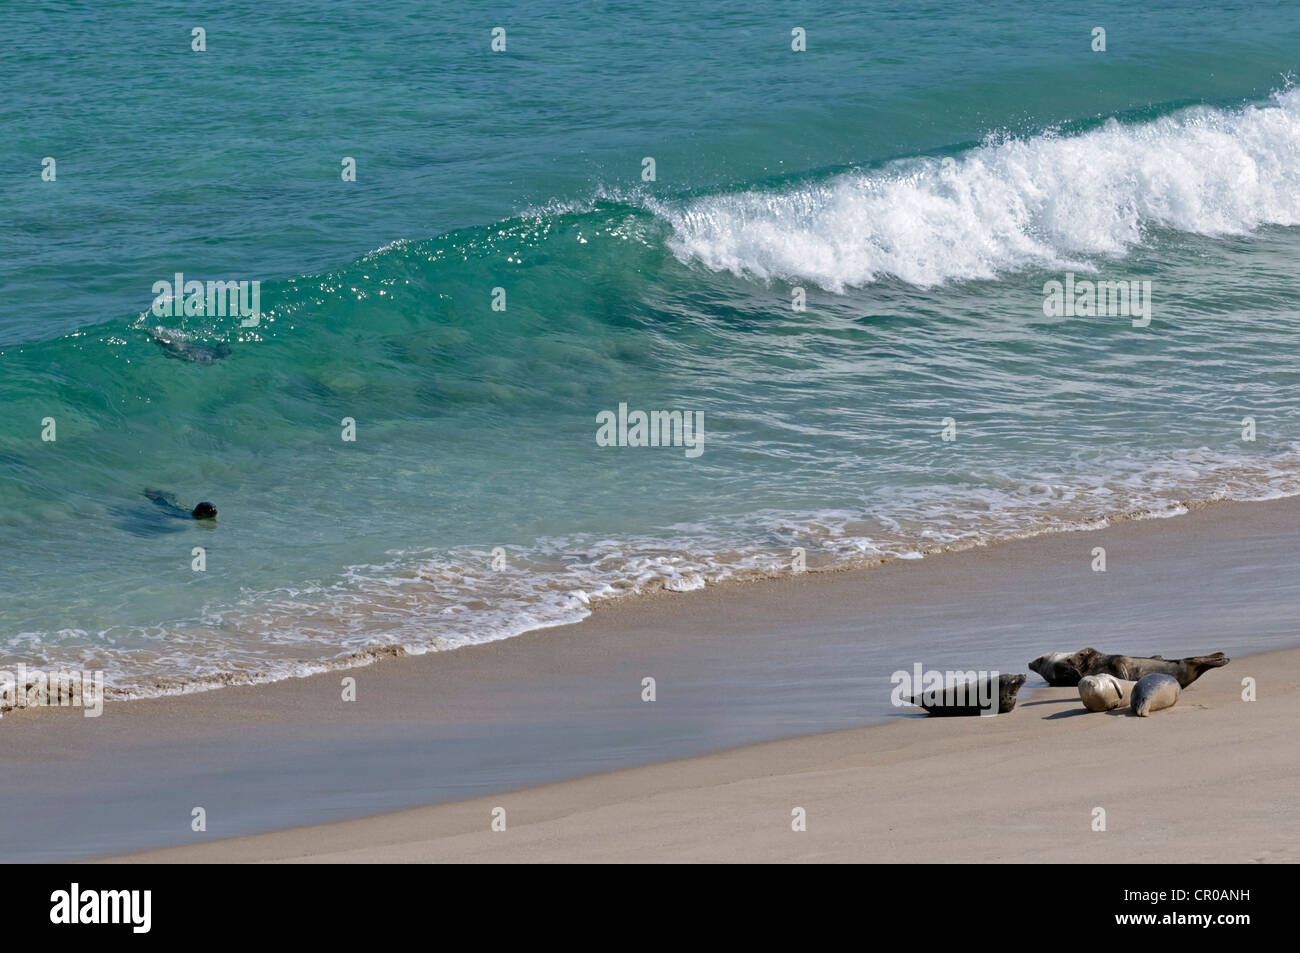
1200	664
166	502
161	498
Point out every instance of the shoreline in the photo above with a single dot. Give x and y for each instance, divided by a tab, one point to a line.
364	658
799	658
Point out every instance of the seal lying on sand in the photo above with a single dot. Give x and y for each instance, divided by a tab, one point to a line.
204	511
1154	692
178	344
1102	692
1060	669
964	697
1057	668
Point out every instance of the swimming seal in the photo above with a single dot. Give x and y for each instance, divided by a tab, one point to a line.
1102	692
1060	669
963	698
1154	692
181	345
204	511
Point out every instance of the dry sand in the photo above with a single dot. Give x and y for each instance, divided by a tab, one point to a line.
1213	779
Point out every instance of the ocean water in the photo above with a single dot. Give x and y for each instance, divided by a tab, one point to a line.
918	174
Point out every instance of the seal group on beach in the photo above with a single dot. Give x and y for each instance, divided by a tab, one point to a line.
1105	682
1057	668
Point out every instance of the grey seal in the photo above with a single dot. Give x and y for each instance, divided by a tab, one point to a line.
963	698
203	511
1102	692
1154	692
1058	668
182	345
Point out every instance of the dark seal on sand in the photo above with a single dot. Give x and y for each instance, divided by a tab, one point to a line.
1057	668
966	698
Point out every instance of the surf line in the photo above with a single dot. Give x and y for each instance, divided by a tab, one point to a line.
35	688
655	428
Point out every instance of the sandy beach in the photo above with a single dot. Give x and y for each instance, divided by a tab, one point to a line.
551	727
1211	780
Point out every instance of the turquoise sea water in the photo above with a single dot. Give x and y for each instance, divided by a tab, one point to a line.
920	172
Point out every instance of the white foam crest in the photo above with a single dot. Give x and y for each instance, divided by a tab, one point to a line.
1045	201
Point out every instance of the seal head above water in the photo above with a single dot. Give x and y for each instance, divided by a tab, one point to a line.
165	501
